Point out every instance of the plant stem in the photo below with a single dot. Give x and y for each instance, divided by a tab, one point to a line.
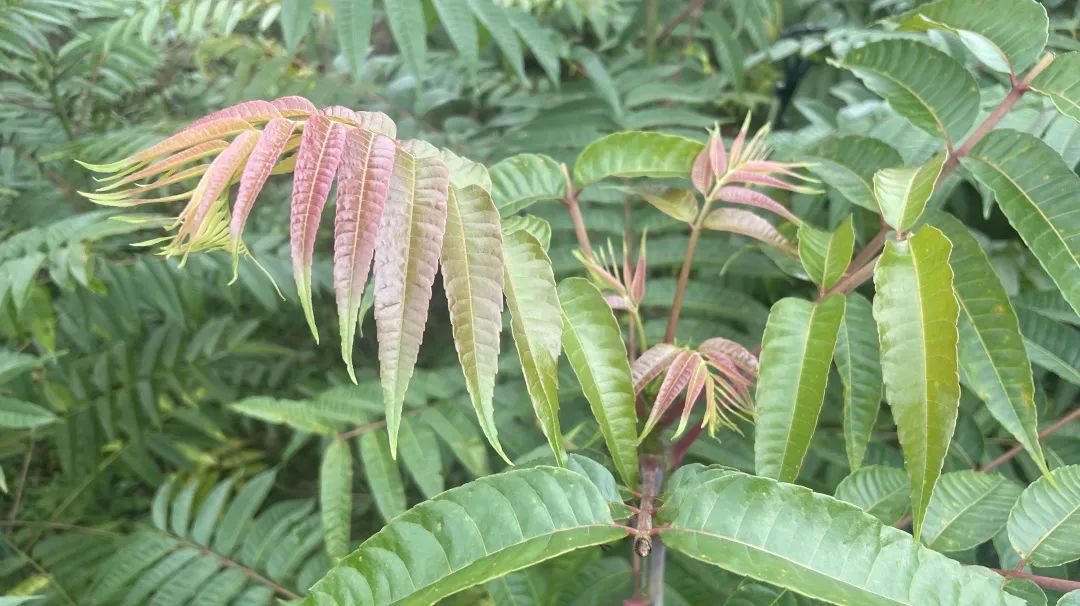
1060	585
571	201
228	562
853	280
1015	450
652	22
684	277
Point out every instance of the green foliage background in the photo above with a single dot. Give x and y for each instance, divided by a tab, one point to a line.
167	437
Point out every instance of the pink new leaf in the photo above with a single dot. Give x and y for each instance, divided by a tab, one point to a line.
363	185
651	364
749	197
321	148
294	107
271	143
217	129
172	162
406	259
472	270
693	392
214	183
744	176
746	223
701	174
746	361
677	378
253	112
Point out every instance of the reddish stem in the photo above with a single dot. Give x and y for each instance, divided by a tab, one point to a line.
1059	585
1015	450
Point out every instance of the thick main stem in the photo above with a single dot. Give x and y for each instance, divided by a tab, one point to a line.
1060	585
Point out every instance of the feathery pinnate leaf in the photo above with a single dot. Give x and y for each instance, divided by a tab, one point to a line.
472	268
406	259
916	314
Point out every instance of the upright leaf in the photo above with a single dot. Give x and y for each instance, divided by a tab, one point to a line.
382	474
1005	35
321	148
923	84
635	154
295	19
1061	84
406	21
406	259
848	164
968	509
796	353
1039	194
495	19
472	266
902	193
460	25
991	348
858	362
335	498
485	529
916	314
594	346
537	327
353	20
1045	522
363	186
825	255
815	545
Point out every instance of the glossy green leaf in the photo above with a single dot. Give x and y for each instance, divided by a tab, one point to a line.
635	154
535	226
1005	35
902	193
815	545
848	164
472	268
382	474
968	509
677	203
537	327
296	18
991	348
1045	522
880	491
353	20
422	457
825	255
595	349
406	21
796	354
1027	590
916	314
858	362
1070	599
335	497
923	84
19	414
1061	83
483	530
520	181
1039	194
1051	345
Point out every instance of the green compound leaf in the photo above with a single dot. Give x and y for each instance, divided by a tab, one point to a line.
815	545
991	348
796	354
594	346
479	531
916	313
858	362
923	84
968	509
825	255
1039	194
